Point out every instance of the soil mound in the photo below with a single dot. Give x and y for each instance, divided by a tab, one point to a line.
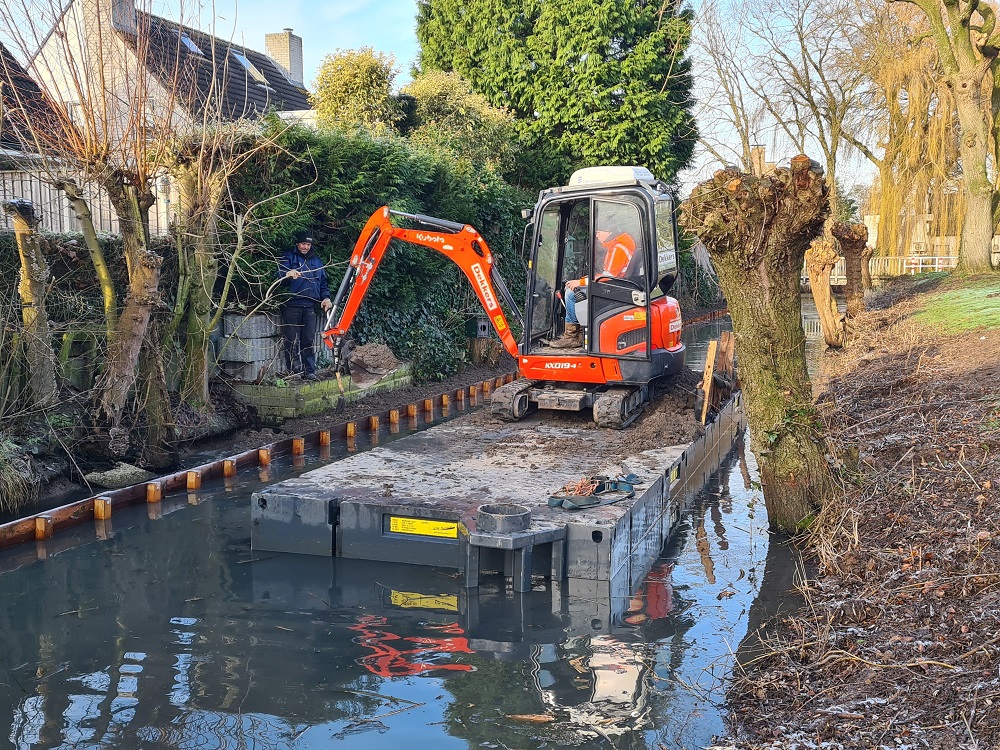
372	362
375	358
668	420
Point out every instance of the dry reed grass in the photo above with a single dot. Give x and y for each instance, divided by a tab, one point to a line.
17	490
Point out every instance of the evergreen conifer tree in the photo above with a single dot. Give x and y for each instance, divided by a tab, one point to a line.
588	81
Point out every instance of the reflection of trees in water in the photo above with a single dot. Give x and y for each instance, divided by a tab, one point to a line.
678	707
776	596
482	699
712	502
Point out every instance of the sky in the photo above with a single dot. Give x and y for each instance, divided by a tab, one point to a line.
324	25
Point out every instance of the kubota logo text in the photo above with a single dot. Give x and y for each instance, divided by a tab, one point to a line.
429	237
484	287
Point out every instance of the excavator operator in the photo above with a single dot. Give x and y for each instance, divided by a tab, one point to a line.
619	251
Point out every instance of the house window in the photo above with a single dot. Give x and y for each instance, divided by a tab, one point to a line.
189	43
250	67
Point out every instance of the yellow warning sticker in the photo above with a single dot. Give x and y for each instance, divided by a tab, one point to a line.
423	527
675	472
411	600
499	322
640	314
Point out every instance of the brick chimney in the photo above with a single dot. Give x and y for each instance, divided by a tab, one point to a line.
285	48
123	16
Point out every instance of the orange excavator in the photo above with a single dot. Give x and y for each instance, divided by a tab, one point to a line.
602	253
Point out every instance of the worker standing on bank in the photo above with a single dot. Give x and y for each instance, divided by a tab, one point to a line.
304	280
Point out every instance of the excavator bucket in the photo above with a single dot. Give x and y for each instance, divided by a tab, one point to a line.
347	345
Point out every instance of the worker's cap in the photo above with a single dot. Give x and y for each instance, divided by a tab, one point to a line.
303	237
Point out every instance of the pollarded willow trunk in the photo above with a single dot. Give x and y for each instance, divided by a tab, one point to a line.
866	268
34	275
853	240
120	367
159	439
199	205
821	257
757	231
197	362
82	210
975	145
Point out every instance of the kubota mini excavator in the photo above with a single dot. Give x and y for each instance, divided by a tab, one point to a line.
611	230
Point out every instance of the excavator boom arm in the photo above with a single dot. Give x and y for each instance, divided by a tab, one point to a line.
460	243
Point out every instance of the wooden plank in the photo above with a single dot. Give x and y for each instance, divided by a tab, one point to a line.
724	367
707	380
727	363
727	353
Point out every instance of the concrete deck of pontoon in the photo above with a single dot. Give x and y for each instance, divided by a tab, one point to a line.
416	500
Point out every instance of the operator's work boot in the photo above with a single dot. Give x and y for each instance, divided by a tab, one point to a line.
572	338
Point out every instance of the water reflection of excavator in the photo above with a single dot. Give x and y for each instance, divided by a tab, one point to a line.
391	658
602	681
613	232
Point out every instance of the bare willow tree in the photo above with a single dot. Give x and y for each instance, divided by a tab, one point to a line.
32	286
199	168
727	100
799	44
90	65
967	39
775	77
203	159
50	144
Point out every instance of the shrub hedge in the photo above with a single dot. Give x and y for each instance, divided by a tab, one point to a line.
329	183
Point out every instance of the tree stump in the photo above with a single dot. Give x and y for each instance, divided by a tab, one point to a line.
756	230
853	240
821	257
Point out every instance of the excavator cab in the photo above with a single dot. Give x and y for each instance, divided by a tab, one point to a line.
612	231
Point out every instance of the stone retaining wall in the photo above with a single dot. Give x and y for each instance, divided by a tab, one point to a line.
251	346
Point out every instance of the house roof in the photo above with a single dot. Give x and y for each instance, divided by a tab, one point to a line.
200	67
20	99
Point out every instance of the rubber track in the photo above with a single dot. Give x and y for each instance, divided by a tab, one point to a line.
502	401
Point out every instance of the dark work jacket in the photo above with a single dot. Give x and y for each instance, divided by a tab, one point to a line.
311	288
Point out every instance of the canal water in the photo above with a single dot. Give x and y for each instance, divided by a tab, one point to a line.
161	628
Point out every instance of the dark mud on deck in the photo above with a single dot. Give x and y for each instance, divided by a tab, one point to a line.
163	629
